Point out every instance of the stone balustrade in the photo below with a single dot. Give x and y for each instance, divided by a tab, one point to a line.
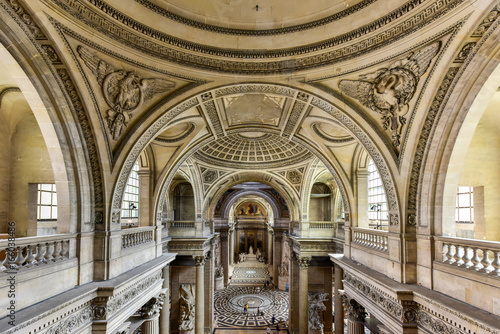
28	252
374	239
469	254
322	226
181	225
137	236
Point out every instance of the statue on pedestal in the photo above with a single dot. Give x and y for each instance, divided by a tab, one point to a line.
250	250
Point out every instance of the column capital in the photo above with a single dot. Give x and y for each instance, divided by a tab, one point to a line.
152	308
199	260
304	261
354	311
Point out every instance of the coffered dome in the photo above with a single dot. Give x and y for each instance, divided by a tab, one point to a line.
253	150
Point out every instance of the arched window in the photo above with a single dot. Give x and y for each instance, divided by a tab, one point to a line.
130	203
377	203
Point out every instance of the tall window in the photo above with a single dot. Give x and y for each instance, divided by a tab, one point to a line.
130	203
377	204
465	205
47	202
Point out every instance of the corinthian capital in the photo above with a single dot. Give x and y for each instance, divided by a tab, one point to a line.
152	308
304	261
199	260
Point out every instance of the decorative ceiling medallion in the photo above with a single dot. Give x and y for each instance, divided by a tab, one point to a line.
388	91
240	151
123	91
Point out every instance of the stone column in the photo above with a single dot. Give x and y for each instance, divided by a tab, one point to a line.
355	314
199	308
151	313
339	308
144	196
224	248
231	247
270	236
303	293
276	257
165	311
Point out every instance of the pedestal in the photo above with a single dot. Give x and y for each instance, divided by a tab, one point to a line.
219	283
282	281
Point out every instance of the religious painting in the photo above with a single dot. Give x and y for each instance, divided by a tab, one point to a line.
250	209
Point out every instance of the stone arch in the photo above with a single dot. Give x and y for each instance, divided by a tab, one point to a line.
437	158
262	177
346	120
234	198
74	184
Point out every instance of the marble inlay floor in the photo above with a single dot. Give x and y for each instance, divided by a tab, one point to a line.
230	304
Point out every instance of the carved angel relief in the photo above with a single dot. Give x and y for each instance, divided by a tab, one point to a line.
123	91
389	90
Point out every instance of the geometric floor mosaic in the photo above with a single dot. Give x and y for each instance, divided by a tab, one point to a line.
230	304
249	276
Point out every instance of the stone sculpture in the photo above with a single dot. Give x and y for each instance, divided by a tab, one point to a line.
186	318
388	91
316	306
123	91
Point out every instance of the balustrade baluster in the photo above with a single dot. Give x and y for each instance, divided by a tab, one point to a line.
467	257
48	253
39	254
30	259
449	254
56	251
476	260
485	262
20	258
457	256
8	262
64	249
496	264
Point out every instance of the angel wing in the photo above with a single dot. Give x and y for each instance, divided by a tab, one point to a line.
357	89
363	92
150	87
98	66
419	62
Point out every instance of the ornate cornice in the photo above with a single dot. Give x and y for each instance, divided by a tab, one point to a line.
162	49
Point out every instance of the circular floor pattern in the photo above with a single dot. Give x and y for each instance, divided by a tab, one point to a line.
230	303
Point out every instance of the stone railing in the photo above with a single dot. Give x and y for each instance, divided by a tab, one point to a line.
322	226
137	236
181	225
374	239
469	254
36	251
